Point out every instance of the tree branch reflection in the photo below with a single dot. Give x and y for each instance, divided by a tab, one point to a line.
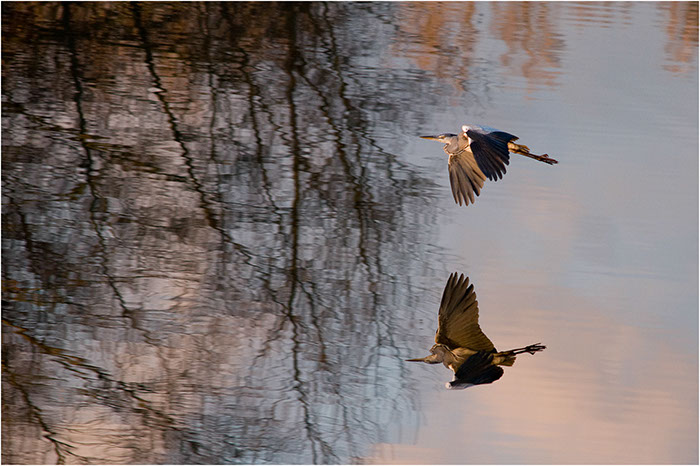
234	257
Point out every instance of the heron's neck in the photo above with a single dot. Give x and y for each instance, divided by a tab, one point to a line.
448	357
457	146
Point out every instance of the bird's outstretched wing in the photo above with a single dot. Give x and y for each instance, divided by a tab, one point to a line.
466	178
490	148
458	318
478	369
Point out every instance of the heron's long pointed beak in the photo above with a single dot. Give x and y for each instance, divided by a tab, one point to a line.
432	359
432	138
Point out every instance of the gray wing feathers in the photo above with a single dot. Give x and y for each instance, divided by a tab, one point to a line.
465	178
458	318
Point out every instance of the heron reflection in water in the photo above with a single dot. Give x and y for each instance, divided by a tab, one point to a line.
477	153
461	345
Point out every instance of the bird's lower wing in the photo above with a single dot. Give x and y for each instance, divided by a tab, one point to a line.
478	369
466	179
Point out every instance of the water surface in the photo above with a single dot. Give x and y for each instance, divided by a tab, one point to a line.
222	235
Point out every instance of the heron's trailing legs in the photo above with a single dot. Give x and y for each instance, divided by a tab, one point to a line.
524	150
532	349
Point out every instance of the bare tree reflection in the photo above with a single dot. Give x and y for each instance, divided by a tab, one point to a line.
527	27
445	28
682	32
203	238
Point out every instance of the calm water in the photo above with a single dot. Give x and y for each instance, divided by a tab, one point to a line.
222	236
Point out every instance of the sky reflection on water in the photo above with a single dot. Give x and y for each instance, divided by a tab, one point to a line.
222	235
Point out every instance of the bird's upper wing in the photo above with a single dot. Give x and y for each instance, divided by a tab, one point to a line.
490	148
466	179
478	369
458	318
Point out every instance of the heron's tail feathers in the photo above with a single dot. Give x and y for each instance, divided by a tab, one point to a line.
506	360
518	147
524	150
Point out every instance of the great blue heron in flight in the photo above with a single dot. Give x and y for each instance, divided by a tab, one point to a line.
477	153
461	345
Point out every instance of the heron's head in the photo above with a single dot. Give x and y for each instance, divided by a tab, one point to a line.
437	355
432	359
445	138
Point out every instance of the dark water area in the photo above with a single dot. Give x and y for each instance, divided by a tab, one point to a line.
222	236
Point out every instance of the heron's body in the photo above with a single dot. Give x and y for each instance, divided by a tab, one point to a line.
455	357
461	346
478	153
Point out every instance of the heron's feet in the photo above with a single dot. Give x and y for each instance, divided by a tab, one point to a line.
545	158
532	349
